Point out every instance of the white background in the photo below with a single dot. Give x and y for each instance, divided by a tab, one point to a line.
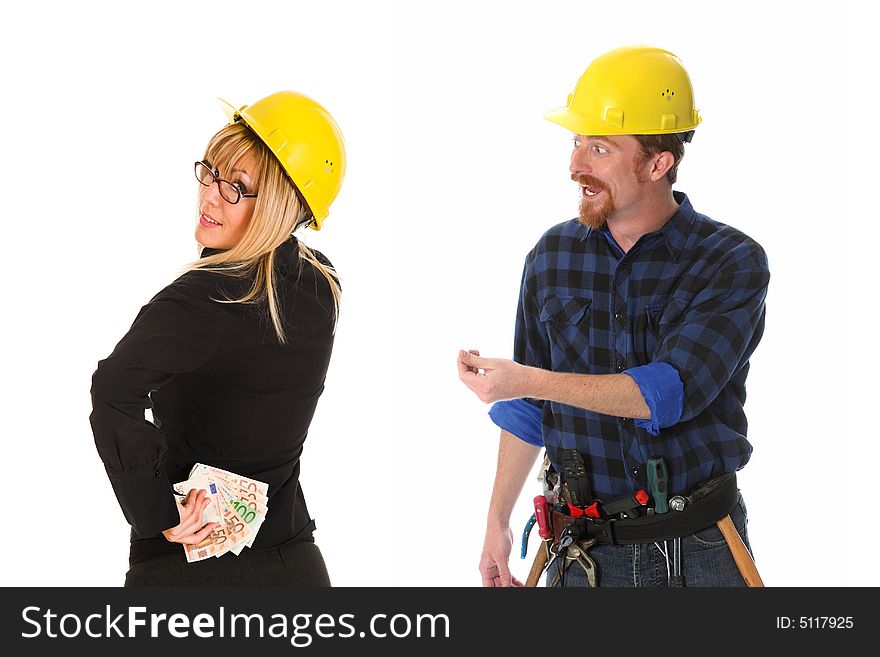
453	175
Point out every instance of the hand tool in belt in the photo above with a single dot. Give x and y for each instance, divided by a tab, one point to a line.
573	542
573	546
740	553
658	482
575	473
542	517
524	548
738	549
550	480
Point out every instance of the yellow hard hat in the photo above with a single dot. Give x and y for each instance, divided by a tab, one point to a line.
306	141
635	90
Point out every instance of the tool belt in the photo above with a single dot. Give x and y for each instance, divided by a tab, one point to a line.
707	503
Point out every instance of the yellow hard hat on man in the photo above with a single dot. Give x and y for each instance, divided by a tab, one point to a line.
635	90
305	139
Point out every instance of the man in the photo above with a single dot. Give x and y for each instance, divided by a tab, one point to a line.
634	329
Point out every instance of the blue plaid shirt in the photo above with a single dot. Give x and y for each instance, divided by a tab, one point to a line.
681	313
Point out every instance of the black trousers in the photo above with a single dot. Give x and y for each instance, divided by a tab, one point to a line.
294	564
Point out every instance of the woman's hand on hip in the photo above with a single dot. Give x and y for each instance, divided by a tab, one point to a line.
191	531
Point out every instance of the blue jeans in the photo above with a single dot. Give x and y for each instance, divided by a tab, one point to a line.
706	560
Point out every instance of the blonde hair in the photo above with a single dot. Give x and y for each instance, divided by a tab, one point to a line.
278	212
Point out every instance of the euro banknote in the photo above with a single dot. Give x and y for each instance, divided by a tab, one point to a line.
237	503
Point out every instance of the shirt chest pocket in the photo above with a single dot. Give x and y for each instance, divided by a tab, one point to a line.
567	320
653	313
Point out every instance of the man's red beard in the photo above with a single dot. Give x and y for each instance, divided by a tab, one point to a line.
594	213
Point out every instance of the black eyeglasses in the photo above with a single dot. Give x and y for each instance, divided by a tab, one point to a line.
231	192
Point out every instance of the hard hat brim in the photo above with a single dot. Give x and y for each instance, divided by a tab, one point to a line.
230	111
579	126
561	116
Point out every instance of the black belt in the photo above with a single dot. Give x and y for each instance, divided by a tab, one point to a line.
707	504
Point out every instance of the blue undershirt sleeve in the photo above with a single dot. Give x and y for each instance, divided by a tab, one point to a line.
663	391
520	418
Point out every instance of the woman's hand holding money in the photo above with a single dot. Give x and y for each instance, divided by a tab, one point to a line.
191	530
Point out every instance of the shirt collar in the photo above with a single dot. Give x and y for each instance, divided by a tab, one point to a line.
286	254
677	229
674	231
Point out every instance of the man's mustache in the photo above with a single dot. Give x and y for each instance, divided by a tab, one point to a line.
583	179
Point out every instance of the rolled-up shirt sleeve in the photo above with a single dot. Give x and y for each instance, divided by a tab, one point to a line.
663	392
172	334
714	336
519	417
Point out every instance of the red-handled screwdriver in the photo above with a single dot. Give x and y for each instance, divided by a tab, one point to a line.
542	516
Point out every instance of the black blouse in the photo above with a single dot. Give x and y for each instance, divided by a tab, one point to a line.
222	391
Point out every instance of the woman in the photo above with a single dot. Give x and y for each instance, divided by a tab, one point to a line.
231	357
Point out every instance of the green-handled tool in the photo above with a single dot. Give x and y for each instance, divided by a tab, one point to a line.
657	482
